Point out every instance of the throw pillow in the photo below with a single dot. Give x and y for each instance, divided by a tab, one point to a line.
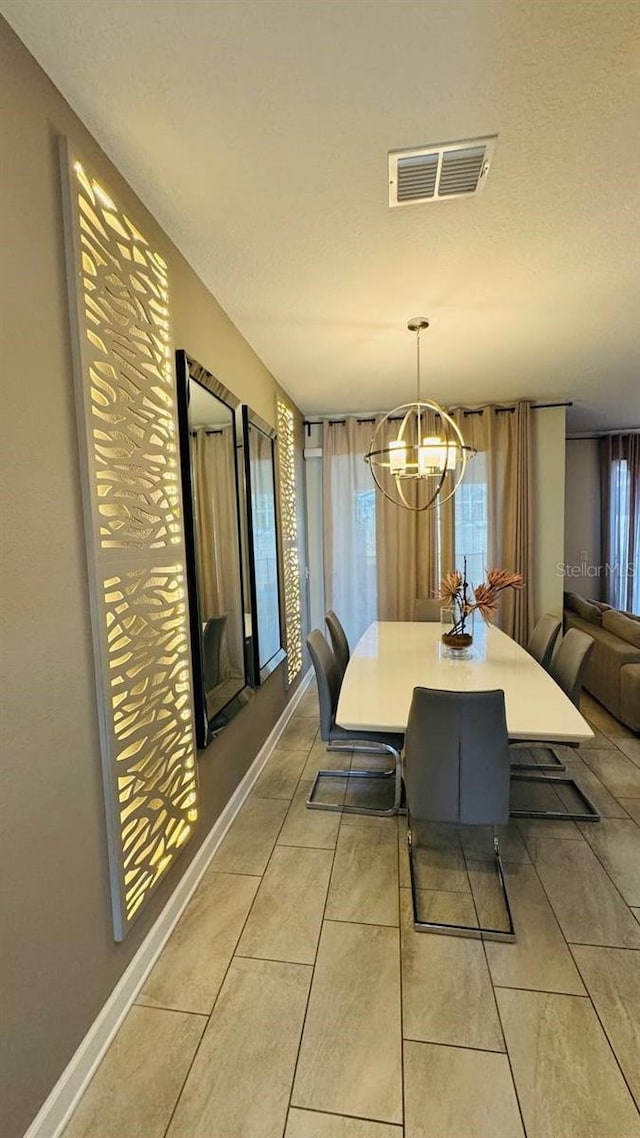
587	611
620	625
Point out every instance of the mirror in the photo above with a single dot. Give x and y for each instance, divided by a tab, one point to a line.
259	462
210	485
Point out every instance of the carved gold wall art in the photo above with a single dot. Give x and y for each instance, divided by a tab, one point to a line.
290	543
127	426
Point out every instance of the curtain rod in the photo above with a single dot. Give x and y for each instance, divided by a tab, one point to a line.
604	434
309	423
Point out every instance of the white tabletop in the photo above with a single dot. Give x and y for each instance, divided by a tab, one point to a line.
394	657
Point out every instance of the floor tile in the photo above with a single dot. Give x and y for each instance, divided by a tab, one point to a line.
350	1056
247	846
616	843
135	1088
590	707
567	1079
298	735
285	921
370	794
618	773
477	842
446	989
279	778
532	828
539	958
367	761
403	854
376	822
317	829
631	748
632	806
617	731
600	741
603	719
330	793
544	794
192	964
364	881
241	1078
636	913
438	858
445	908
488	897
308	706
322	759
311	1124
454	1093
612	977
587	905
604	802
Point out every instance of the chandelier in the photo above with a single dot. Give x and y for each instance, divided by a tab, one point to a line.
425	463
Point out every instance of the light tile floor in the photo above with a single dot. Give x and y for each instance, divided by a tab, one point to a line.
295	1000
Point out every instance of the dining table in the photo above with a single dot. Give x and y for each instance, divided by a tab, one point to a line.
394	657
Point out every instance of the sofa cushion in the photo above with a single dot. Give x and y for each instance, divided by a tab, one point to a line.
599	604
570	601
630	695
610	653
622	626
587	611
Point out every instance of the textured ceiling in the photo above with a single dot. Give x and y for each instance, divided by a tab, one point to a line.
257	132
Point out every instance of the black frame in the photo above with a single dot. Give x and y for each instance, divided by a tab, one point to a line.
187	368
260	673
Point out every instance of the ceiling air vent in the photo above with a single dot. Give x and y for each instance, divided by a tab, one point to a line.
433	173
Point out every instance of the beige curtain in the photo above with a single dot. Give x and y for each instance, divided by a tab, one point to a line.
413	550
349	528
217	561
503	439
407	550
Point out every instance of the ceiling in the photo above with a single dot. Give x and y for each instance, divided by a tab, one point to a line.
257	132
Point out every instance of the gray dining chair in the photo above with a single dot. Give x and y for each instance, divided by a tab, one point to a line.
543	639
425	609
328	678
569	661
456	770
541	645
339	642
567	668
211	649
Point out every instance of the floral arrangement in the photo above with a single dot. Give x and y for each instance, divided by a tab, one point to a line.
455	590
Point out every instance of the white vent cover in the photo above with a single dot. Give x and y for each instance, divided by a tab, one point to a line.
436	173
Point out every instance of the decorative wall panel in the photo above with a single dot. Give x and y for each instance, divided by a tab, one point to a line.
290	546
119	293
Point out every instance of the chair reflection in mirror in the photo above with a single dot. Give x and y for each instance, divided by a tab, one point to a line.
219	586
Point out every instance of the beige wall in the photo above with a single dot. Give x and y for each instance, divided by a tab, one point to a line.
582	551
59	960
549	461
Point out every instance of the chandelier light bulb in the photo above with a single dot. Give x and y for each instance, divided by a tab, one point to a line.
398	456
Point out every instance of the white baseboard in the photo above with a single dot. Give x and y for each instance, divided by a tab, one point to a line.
59	1106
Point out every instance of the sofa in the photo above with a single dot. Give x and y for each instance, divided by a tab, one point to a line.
612	674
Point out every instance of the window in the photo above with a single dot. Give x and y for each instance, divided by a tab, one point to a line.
624	576
471	521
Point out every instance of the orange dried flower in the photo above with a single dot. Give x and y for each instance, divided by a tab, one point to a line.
453	588
450	586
